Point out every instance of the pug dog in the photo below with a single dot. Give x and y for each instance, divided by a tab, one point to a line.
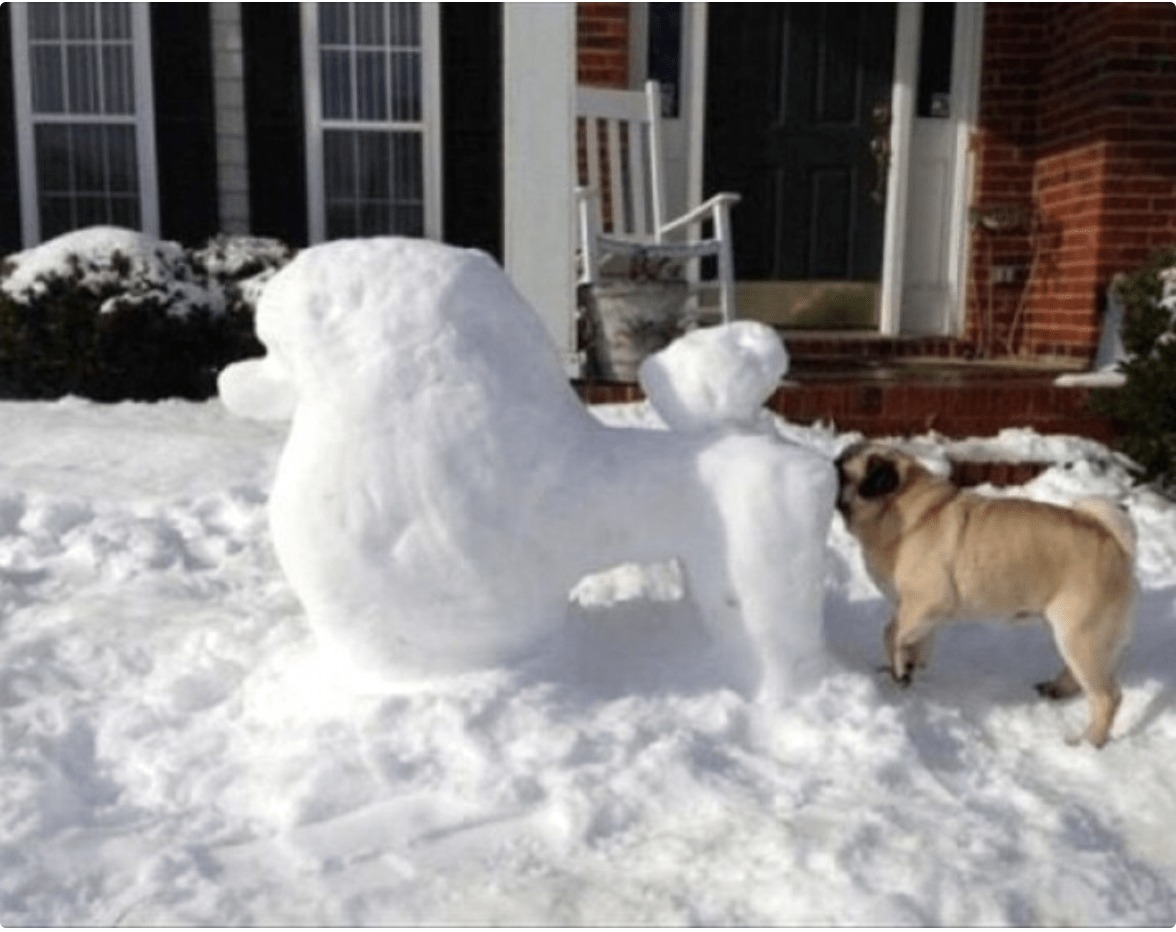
939	553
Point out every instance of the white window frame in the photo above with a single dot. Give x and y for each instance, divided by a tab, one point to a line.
429	126
143	122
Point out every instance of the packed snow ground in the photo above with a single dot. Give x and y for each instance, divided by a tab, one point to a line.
171	754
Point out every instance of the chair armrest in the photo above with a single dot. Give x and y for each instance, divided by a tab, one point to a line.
710	207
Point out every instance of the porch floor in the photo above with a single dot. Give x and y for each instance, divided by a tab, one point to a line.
892	390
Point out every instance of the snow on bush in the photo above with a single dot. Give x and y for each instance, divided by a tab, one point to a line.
111	313
125	267
443	490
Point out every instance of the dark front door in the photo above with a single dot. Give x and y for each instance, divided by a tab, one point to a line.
798	111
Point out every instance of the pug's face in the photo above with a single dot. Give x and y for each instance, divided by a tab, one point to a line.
870	475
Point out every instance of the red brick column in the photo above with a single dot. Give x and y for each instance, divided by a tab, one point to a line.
602	44
1078	128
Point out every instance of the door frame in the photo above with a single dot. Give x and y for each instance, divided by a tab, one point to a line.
907	30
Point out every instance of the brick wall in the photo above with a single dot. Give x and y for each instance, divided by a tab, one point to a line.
602	44
602	60
1077	129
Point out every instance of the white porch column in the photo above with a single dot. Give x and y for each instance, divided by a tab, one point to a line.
539	55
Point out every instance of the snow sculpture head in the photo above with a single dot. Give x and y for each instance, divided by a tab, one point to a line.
716	376
442	488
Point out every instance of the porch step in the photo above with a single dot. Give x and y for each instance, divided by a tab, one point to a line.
890	399
838	346
956	401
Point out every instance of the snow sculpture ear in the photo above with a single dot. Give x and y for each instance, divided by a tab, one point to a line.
881	478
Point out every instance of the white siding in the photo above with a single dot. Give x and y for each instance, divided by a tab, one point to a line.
228	68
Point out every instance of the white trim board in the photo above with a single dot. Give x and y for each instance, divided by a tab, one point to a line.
539	162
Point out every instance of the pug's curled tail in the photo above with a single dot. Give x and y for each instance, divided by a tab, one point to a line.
1113	518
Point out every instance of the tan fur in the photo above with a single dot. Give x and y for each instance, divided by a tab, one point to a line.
939	553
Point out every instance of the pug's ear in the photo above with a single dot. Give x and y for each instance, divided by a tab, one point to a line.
881	478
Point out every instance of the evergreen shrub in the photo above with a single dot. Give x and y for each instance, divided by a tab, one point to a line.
1145	406
112	326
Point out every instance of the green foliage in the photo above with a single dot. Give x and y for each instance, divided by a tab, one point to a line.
115	337
1145	407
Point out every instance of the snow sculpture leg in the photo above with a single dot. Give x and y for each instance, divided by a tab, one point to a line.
442	489
775	504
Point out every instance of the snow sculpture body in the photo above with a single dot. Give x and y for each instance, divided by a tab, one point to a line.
442	488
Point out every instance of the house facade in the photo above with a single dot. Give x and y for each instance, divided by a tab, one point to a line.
965	172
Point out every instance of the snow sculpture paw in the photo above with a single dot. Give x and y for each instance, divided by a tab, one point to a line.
442	489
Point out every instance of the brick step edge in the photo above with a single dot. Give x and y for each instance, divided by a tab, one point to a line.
964	473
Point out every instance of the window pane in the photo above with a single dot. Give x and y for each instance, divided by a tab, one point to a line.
374	153
116	20
339	164
44	20
406	90
408	182
369	24
333	26
405	24
91	210
88	144
56	216
121	159
52	157
372	85
341	220
124	212
336	82
82	66
80	20
375	219
933	96
408	219
118	79
48	90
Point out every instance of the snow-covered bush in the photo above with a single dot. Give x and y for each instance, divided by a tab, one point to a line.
1145	406
113	314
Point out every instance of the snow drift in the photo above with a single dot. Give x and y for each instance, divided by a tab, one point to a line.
169	755
443	490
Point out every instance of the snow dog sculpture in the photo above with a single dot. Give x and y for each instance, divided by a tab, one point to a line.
442	488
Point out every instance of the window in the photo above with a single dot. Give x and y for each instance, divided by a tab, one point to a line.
665	53
84	127
933	96
373	114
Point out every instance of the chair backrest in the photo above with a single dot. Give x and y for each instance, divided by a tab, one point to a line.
620	155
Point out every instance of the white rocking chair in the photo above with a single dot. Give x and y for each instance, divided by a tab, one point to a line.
632	222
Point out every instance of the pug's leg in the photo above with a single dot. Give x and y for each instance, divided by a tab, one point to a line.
909	638
1062	686
910	659
922	651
